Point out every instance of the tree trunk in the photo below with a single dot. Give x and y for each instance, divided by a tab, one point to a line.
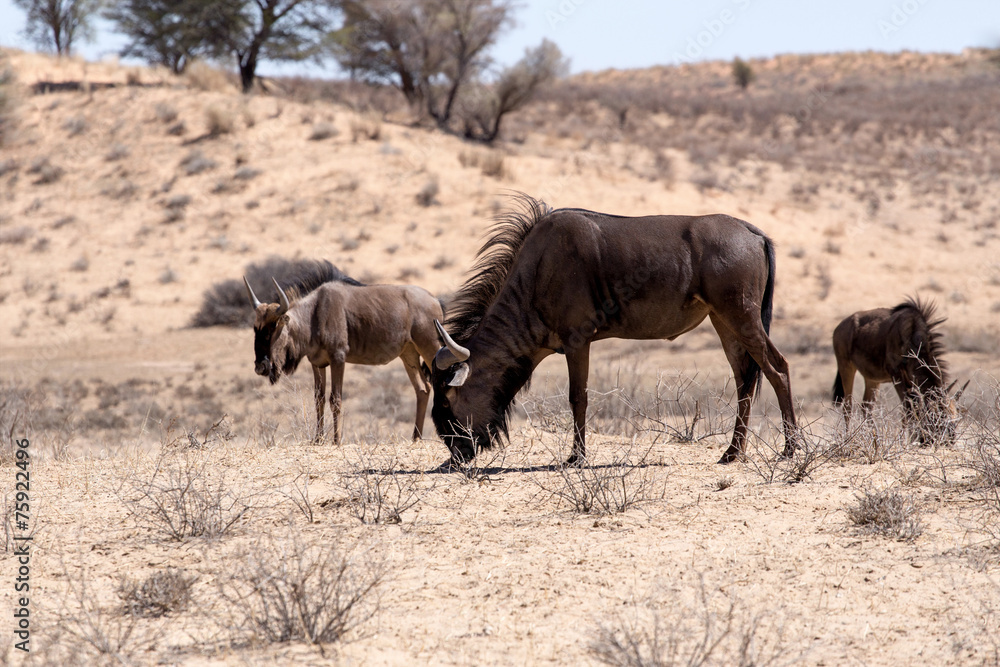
248	66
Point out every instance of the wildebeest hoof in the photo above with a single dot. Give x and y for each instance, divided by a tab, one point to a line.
730	457
788	452
449	465
575	460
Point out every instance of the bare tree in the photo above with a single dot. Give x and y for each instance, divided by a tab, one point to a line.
515	88
58	23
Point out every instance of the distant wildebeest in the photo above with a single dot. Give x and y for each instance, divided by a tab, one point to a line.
556	281
900	345
343	321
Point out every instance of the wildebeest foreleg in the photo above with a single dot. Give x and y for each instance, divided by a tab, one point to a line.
578	361
337	380
411	359
319	393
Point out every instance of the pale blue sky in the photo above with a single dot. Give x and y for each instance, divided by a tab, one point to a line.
601	34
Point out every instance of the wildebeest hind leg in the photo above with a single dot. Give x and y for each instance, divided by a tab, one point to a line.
751	335
319	394
740	362
336	398
411	360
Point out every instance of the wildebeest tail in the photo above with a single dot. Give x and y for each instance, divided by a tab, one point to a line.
752	375
838	389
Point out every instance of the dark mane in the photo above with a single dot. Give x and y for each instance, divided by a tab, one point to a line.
306	275
225	303
493	263
926	313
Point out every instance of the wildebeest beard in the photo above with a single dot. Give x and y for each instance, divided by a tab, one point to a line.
464	441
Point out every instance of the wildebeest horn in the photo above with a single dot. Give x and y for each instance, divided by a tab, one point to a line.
253	297
452	353
282	297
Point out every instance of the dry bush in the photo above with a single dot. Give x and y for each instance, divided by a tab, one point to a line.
160	593
184	497
378	492
195	162
75	125
711	630
219	121
165	112
428	194
16	235
886	512
369	127
489	162
8	101
116	152
322	130
982	458
45	170
201	76
98	633
627	481
291	589
492	164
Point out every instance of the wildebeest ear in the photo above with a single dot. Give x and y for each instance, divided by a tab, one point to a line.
461	375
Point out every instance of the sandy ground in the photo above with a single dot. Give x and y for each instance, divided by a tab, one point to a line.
102	268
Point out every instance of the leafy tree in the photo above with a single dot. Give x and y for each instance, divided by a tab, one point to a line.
274	30
429	49
58	23
169	32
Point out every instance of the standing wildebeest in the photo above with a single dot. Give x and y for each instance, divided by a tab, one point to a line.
343	321
899	345
556	281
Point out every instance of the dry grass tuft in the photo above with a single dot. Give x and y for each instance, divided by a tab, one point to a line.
16	235
710	630
627	481
184	497
195	162
428	194
378	492
160	593
323	130
292	589
8	102
201	76
219	121
887	513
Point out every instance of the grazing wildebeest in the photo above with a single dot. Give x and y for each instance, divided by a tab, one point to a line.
343	321
900	345
556	281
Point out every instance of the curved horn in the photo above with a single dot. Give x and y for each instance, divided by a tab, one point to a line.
283	298
452	353
253	297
